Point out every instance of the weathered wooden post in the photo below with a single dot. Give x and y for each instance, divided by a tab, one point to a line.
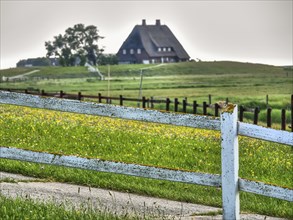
176	105
144	102
194	107
168	104
255	115
241	113
269	117
217	107
121	100
79	96
184	104
204	106
100	97
230	162
283	119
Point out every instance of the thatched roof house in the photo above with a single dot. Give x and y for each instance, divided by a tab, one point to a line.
151	44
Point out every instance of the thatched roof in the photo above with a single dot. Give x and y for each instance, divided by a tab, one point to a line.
152	37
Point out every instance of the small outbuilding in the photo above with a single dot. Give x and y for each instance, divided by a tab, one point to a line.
151	44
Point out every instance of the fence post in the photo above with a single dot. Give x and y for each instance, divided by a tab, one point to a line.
184	104
269	117
143	101
255	117
176	105
79	96
121	100
210	99
241	113
167	104
61	94
204	105
217	110
194	107
230	163
283	117
100	98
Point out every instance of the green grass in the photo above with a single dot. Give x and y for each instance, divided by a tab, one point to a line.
145	143
142	143
28	209
242	83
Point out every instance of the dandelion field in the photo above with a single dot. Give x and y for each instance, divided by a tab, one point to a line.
142	143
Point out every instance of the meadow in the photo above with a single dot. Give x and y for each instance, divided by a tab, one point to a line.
243	83
153	144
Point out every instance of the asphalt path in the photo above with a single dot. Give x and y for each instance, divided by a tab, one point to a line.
14	185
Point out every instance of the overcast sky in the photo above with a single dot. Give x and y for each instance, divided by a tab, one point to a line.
246	31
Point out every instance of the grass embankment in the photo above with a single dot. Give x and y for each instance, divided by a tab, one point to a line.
142	143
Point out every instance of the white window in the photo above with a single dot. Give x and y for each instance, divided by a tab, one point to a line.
164	49
124	51
169	49
138	51
131	51
159	49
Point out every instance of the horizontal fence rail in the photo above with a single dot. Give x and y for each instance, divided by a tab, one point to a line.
204	179
112	167
267	134
228	124
91	108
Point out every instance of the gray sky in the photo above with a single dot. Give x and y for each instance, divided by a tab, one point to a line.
246	31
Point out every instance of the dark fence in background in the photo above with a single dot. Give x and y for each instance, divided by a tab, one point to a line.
185	106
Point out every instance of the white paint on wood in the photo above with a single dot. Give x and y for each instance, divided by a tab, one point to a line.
230	163
266	189
112	167
228	125
268	134
75	106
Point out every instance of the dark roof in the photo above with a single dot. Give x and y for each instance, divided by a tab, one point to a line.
151	37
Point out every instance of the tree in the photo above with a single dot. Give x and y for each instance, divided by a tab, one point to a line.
111	59
78	45
40	61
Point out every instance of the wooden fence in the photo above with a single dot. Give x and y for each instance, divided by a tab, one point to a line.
206	108
228	125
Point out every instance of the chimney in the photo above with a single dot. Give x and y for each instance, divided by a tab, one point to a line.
143	22
158	22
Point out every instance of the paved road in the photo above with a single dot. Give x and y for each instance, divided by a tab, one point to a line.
22	75
13	185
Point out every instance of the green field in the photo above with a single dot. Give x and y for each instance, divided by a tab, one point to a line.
153	144
242	83
142	143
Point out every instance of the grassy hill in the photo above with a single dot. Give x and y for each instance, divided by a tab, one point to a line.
188	68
